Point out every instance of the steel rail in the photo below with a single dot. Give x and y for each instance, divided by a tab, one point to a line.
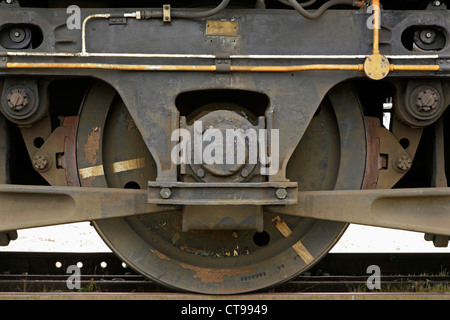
38	272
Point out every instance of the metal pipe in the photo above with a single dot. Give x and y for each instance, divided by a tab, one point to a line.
311	67
376	26
212	56
83	28
413	67
212	68
105	66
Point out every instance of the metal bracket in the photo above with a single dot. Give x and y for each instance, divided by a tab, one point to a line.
167	18
3	60
223	63
117	20
398	160
223	218
444	64
185	193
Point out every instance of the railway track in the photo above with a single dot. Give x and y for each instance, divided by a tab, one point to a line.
343	276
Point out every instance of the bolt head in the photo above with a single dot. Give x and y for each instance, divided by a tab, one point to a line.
244	173
17	99
165	193
403	163
200	173
40	162
281	193
427	100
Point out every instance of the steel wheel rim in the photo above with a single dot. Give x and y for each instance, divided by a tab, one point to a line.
229	271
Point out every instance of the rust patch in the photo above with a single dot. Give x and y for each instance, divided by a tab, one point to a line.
130	125
214	275
160	255
92	146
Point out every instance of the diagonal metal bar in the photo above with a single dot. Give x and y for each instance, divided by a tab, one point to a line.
36	206
424	210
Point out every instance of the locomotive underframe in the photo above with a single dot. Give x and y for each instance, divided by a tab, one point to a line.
150	63
282	89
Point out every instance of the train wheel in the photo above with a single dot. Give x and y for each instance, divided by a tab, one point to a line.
111	153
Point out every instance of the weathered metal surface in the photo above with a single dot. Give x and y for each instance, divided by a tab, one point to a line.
40	130
232	260
396	161
373	127
251	193
47	160
69	161
439	178
33	206
155	123
130	113
224	218
222	28
5	150
376	67
418	209
408	209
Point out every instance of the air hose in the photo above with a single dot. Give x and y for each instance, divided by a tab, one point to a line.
150	14
316	14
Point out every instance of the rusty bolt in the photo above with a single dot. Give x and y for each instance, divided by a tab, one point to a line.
17	99
200	173
281	193
40	162
427	100
403	163
165	193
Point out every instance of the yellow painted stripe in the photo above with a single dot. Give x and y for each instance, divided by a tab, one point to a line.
303	252
96	171
298	246
120	166
129	165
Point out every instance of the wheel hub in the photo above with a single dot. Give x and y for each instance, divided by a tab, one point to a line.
224	146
